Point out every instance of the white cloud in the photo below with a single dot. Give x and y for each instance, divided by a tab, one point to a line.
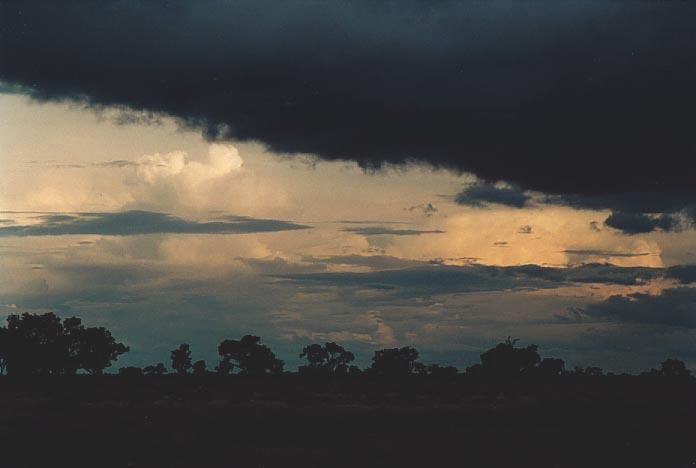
221	160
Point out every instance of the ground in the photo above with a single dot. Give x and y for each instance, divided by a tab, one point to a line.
287	422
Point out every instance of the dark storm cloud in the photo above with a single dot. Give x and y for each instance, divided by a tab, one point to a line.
129	223
674	307
590	98
639	223
386	231
484	194
685	274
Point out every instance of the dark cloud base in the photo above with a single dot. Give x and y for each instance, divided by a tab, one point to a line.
633	213
589	98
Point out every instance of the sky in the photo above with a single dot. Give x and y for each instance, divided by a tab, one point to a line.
440	175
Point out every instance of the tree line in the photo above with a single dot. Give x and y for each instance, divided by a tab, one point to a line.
46	345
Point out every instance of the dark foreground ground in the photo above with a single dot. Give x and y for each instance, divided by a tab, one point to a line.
201	423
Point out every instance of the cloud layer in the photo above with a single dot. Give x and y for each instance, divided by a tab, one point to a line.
675	307
587	98
382	231
427	280
134	222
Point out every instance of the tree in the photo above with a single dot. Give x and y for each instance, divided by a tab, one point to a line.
249	356
72	331
42	344
95	349
330	359
35	345
395	362
506	361
157	369
199	367
674	369
181	359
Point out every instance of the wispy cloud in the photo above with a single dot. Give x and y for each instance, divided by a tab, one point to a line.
386	231
446	279
604	253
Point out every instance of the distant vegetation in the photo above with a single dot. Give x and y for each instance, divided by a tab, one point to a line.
44	345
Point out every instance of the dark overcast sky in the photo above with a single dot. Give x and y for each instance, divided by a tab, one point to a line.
591	98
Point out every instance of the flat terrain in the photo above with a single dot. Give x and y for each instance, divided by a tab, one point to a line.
285	422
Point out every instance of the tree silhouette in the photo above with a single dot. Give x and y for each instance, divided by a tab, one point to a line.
157	369
674	369
73	332
96	348
181	359
42	344
395	362
249	356
199	367
34	345
507	361
330	359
